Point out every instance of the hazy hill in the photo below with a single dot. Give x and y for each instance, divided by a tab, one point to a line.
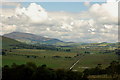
53	41
31	38
37	39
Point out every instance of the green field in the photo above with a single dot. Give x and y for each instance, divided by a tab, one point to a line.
48	60
19	56
99	53
0	60
91	61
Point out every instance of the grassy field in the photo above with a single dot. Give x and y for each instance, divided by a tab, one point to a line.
41	53
0	60
90	61
19	56
6	42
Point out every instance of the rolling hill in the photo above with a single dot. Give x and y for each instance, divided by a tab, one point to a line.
32	38
37	39
8	42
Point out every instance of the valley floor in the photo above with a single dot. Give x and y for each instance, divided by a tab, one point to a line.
56	59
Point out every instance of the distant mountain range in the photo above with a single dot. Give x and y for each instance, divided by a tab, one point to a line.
32	38
18	38
38	39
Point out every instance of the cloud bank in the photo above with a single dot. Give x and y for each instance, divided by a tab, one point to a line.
98	24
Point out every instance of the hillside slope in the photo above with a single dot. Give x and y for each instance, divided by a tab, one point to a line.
8	42
31	38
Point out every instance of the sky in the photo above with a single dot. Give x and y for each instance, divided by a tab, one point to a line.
67	21
66	6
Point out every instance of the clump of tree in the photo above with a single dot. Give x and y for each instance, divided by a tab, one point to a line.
95	71
112	70
3	51
117	51
87	52
30	71
40	46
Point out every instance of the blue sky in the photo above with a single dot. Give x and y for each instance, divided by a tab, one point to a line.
63	6
58	6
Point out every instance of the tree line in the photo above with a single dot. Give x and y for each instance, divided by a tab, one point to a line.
40	46
112	70
30	71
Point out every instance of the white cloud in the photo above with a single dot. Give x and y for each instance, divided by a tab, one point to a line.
7	12
98	24
35	12
10	4
105	13
7	28
87	3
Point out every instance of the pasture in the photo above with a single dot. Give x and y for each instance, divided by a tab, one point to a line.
91	61
43	57
57	59
0	60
